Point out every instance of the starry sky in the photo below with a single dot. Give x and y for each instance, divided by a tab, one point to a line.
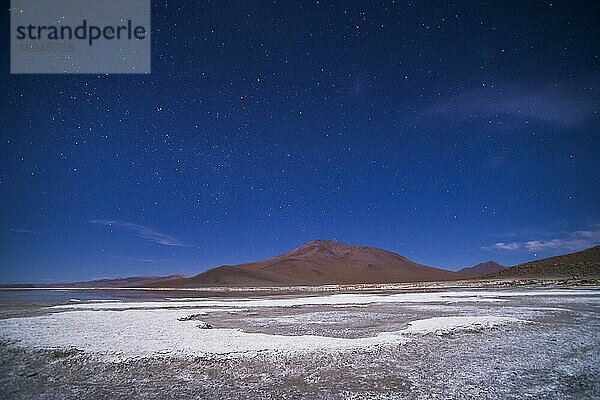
449	132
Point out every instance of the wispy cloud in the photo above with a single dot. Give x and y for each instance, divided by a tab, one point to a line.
553	106
141	260
19	230
141	231
577	240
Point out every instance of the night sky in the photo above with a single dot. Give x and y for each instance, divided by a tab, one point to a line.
448	133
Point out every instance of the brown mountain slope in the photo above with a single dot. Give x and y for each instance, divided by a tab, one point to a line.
584	264
485	268
319	262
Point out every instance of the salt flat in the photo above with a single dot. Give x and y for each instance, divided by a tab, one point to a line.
146	333
336	299
492	343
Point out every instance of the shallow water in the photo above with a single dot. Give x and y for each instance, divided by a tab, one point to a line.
50	296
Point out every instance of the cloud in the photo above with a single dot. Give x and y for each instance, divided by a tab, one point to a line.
506	246
141	231
553	106
17	230
575	241
143	260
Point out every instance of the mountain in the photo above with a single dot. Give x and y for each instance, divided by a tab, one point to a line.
485	268
135	281
583	264
319	262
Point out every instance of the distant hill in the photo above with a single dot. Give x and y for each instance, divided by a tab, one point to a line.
130	282
583	264
485	268
319	262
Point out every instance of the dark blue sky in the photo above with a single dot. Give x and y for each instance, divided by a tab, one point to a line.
449	133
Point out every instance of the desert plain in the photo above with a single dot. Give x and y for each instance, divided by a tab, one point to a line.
433	341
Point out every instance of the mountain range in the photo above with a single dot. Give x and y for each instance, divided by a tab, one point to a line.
128	282
134	281
322	262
